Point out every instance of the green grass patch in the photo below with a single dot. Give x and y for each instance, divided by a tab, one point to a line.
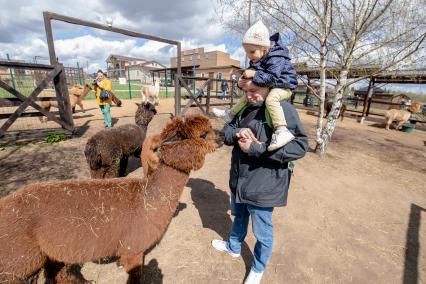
55	138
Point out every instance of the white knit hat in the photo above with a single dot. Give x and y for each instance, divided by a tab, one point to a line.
257	34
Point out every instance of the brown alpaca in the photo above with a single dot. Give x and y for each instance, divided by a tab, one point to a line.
329	104
78	221
76	94
107	151
401	116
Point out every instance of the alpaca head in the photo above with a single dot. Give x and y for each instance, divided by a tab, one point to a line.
415	107
144	114
183	144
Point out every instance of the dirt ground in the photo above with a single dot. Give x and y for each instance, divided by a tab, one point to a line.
357	215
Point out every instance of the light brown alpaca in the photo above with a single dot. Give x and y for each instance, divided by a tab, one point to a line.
151	93
401	116
77	93
78	221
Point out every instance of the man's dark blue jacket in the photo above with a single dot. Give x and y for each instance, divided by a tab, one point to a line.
275	70
259	177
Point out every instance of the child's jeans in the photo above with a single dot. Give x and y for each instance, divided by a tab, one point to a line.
263	230
273	104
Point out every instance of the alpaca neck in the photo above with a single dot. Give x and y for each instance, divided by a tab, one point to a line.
84	94
164	188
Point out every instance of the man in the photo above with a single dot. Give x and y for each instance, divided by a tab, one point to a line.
259	179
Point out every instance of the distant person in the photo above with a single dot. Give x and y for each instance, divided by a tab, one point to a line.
224	86
356	101
102	84
271	67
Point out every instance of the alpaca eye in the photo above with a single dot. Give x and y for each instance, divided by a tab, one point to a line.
204	135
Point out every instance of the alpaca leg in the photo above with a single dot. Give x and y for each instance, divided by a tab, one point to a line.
71	274
112	171
133	265
387	123
123	166
21	264
80	104
399	125
51	269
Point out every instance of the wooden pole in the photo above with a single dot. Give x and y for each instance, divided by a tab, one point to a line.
370	89
177	84
49	37
231	101
209	87
62	97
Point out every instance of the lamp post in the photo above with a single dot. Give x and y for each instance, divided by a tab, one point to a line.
108	21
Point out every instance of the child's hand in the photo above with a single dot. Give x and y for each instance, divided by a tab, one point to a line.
249	73
242	82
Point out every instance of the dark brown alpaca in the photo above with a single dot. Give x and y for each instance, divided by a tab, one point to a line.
107	151
78	221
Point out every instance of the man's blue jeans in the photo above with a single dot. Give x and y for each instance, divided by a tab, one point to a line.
107	114
261	218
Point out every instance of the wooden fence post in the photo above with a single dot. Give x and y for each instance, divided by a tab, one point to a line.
232	93
62	97
209	87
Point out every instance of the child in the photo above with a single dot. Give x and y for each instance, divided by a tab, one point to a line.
272	68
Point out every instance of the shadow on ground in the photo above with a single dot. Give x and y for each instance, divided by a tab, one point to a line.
214	215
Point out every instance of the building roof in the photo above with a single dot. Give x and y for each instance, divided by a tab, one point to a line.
218	67
125	58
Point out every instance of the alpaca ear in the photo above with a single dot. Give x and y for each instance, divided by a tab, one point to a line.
138	104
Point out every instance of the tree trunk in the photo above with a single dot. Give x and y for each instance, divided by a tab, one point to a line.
319	128
328	130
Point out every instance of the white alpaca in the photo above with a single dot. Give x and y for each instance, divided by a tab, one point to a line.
151	93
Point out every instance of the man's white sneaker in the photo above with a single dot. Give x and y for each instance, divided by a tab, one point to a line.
280	138
253	277
223	246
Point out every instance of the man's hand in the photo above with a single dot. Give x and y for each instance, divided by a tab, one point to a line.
244	144
249	73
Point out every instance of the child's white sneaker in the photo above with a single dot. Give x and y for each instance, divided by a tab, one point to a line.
253	277
223	246
280	138
222	113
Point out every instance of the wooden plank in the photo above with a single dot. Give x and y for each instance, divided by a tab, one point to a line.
178	107
33	104
26	102
14	102
25	114
25	65
190	93
209	87
191	100
62	97
232	93
49	38
75	21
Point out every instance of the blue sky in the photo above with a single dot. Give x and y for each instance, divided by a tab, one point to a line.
194	23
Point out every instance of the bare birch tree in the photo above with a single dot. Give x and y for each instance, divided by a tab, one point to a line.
340	35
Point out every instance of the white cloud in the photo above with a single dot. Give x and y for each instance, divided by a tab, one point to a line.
194	23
